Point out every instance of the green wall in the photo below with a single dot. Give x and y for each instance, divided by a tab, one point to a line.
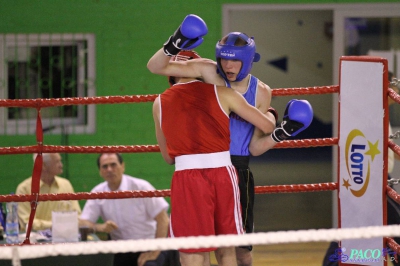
127	34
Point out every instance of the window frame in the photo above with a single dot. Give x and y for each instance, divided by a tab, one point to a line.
56	125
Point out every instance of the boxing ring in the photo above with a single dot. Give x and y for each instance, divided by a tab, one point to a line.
28	250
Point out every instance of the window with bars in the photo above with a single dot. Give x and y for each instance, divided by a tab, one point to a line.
47	66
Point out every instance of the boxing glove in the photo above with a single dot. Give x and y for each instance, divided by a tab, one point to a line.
297	117
188	35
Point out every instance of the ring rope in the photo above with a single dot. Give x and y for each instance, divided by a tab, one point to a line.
296	188
156	193
278	237
393	194
394	147
52	102
40	148
305	90
394	95
393	245
79	149
302	143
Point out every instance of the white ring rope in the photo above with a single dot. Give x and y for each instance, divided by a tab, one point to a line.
279	237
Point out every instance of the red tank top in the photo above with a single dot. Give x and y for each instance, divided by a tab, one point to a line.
192	120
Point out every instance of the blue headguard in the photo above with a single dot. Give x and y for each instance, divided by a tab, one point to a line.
245	53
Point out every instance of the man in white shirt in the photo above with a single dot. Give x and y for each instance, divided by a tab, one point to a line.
131	218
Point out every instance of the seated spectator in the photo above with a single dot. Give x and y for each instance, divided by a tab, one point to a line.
130	218
50	182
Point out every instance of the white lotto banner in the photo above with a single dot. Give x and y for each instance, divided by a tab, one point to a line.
362	175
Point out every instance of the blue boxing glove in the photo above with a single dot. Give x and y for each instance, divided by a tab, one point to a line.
188	36
297	117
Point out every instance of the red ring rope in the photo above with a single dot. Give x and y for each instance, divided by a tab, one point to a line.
39	103
40	148
304	143
158	193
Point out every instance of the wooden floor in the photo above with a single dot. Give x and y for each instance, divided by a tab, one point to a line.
298	254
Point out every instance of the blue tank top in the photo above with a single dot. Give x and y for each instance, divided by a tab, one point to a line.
241	130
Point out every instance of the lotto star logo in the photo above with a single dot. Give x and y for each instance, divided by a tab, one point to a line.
359	155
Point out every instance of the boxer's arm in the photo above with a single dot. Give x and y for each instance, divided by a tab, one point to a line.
162	143
232	101
260	142
202	68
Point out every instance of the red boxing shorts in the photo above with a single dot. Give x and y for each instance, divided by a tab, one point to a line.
205	201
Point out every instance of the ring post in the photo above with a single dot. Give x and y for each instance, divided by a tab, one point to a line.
362	160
